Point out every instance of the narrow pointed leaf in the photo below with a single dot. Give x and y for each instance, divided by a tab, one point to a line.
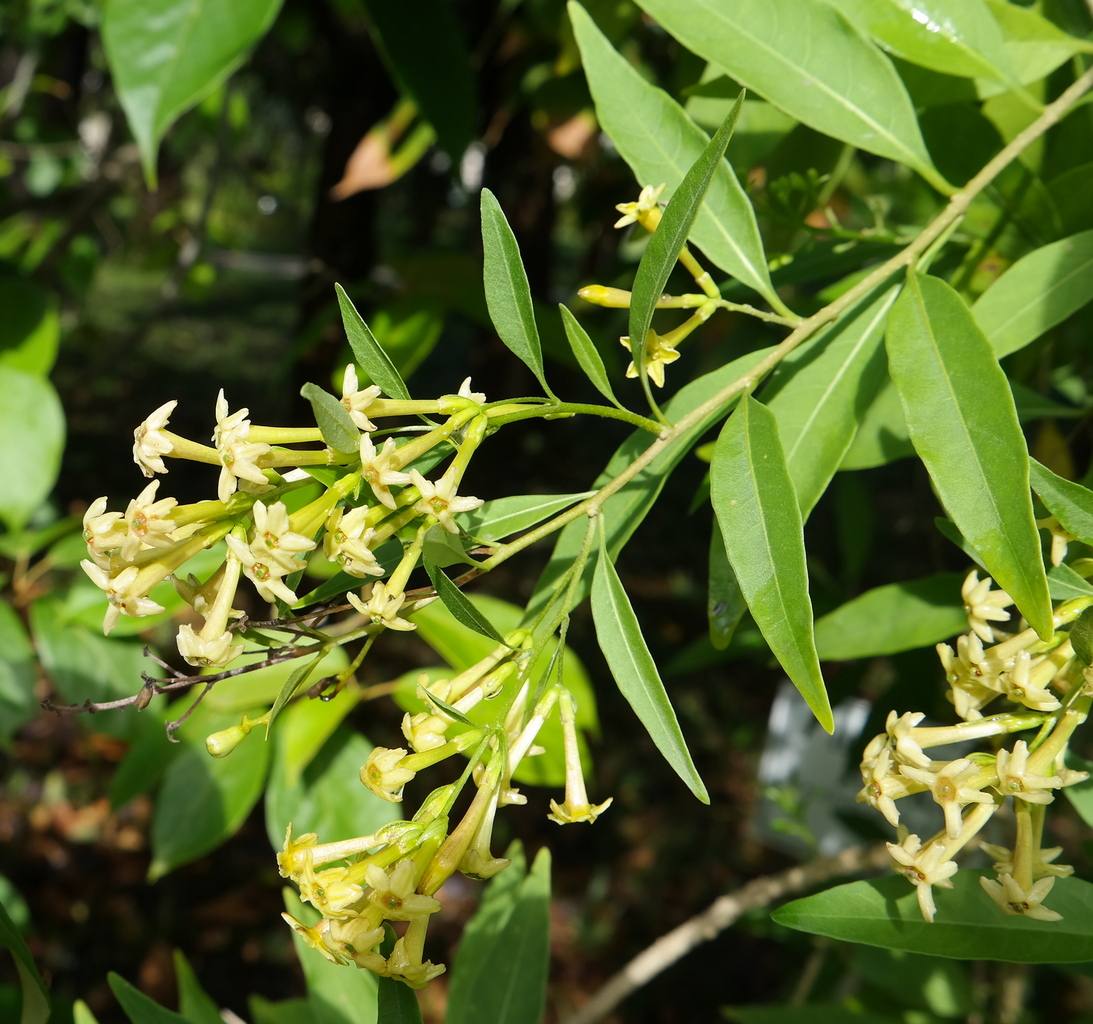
139	1008
502	517
34	991
821	392
588	358
963	424
194	1003
367	351
725	604
457	603
339	431
635	672
662	252
1064	583
884	912
756	508
809	61
1067	501
507	292
659	142
1039	291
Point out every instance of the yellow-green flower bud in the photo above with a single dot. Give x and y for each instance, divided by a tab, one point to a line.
221	744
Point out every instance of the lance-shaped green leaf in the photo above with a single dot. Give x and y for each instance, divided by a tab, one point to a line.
896	617
139	1008
968	926
1039	291
502	517
367	351
35	994
508	294
963	424
725	604
659	141
1064	583
809	61
588	358
662	252
635	672
820	393
194	1003
339	431
457	603
756	508
955	37
1067	501
165	55
1036	46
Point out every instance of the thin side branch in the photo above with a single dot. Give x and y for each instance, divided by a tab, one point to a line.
721	914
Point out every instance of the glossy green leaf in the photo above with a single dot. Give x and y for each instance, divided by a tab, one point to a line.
81	1013
968	926
756	508
305	726
1036	46
662	252
955	37
35	995
624	511
503	517
458	604
32	437
725	604
1067	501
1039	291
623	646
285	1011
193	1001
165	55
917	982
811	1013
1080	795
204	799
587	356
31	330
367	351
963	424
500	972
139	1008
508	294
660	142
1064	583
396	1002
882	433
893	618
821	391
297	680
335	994
809	61
18	672
423	46
339	431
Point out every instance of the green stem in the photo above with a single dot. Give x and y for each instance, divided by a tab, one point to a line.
501	415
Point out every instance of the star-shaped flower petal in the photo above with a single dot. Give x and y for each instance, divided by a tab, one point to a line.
1016	902
347	539
1015	780
357	401
383	608
948	787
393	893
659	352
380	470
440	500
647	202
383	776
238	457
925	868
119	592
984	606
149	444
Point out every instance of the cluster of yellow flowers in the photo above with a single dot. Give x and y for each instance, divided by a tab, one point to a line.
1052	689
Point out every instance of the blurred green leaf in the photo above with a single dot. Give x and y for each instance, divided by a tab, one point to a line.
1036	46
306	724
725	604
81	1014
811	1013
928	983
627	654
17	675
1064	583
809	61
368	352
662	253
139	1008
459	605
756	508
31	328
962	421
502	517
507	292
1039	291
32	437
892	618
339	431
587	356
193	1001
632	112
1080	795
36	1005
884	912
166	55
500	972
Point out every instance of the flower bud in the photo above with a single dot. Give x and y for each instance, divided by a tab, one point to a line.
221	744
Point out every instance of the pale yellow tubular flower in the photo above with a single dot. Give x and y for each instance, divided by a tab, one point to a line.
215	652
296	855
392	892
104	533
901	730
238	457
1042	865
405	963
425	731
465	392
356	939
947	786
274	542
1015	901
149	444
357	401
147	522
1061	538
984	606
383	776
924	868
332	892
647	202
119	592
440	499
381	469
576	806
1067	776
315	936
659	352
1022	689
973	677
382	608
346	542
882	787
1015	780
